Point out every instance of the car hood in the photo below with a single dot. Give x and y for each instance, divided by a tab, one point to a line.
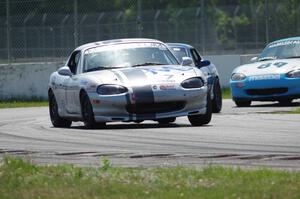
139	76
278	66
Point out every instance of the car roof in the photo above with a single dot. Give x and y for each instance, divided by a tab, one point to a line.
285	39
115	41
179	45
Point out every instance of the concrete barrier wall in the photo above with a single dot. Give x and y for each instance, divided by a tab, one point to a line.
27	80
30	80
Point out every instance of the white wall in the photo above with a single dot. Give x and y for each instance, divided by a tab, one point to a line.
226	63
31	79
25	80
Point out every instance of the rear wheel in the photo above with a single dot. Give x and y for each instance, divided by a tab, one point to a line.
242	103
56	120
88	114
165	121
201	119
217	101
285	102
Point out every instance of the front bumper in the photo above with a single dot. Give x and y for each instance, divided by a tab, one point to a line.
167	103
265	89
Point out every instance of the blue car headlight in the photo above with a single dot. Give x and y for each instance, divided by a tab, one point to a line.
111	89
195	82
238	76
293	74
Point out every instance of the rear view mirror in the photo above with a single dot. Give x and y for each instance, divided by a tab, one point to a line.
186	61
65	71
204	63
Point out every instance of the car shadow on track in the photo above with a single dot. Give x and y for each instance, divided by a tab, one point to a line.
271	104
138	126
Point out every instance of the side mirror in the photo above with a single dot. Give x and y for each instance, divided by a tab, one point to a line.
65	71
204	63
186	61
254	59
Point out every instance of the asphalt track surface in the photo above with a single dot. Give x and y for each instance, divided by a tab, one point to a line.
250	137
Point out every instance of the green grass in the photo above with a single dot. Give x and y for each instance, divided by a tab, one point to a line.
23	101
22	180
296	111
226	93
17	104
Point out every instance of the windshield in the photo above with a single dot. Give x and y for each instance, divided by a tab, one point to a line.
179	53
127	55
281	50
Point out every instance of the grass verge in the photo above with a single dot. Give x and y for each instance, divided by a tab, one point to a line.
296	111
17	104
226	93
23	102
20	179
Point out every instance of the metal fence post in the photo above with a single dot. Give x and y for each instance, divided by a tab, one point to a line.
75	23
139	18
98	25
267	20
155	23
8	28
62	46
203	26
25	34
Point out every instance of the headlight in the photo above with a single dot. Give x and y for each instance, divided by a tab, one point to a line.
238	76
293	74
195	82
111	89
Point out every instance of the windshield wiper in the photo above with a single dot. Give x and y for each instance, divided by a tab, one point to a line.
100	68
266	58
147	64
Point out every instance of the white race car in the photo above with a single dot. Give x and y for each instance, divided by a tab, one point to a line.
275	75
127	80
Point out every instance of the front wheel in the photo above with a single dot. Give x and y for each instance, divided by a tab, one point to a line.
56	120
217	101
201	119
242	103
88	114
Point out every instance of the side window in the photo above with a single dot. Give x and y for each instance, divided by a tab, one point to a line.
196	57
73	62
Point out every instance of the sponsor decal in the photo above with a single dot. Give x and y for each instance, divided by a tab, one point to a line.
264	77
240	85
167	87
155	71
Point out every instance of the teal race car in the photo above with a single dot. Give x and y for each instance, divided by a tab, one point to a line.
273	76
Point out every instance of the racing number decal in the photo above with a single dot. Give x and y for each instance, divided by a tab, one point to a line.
277	64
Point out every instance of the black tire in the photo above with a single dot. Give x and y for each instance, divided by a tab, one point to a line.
217	101
165	121
56	120
201	119
242	103
88	113
285	102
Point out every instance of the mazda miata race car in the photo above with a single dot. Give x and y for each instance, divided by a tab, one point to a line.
275	75
181	50
129	80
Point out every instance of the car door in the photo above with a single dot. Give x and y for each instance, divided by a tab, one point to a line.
71	84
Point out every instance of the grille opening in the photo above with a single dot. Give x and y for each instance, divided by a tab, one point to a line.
159	107
266	91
